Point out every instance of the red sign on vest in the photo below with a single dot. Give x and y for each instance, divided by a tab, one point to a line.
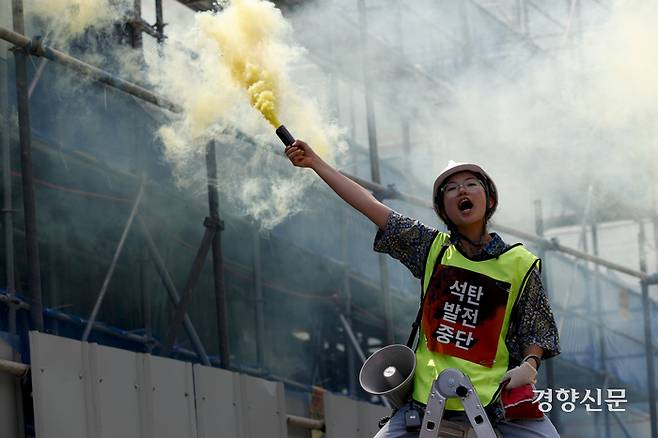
463	314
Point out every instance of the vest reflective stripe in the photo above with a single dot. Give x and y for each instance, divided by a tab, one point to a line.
512	267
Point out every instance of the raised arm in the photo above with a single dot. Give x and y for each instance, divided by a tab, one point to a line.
358	197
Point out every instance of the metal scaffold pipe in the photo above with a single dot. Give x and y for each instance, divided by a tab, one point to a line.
357	348
648	332
549	370
16	368
221	306
7	203
173	293
27	174
113	264
598	311
389	192
359	351
651	377
352	338
35	47
305	423
554	246
375	172
159	21
259	300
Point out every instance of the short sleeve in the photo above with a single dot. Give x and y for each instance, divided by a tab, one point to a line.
406	240
532	322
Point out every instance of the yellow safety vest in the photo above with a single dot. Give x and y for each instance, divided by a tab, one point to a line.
513	267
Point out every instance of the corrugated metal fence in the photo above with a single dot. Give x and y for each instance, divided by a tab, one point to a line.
83	390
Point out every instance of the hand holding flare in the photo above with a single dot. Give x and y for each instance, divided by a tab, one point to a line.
301	154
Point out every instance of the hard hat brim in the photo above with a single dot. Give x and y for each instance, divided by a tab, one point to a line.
454	168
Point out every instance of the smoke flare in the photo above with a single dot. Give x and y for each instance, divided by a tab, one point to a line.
243	33
219	68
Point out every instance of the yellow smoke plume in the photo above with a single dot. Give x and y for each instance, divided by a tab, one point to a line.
261	88
218	69
243	32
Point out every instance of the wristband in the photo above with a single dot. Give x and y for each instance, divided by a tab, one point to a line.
535	357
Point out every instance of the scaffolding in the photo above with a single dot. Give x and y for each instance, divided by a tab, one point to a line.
352	316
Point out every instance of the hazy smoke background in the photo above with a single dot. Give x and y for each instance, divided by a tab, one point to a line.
197	66
68	19
196	69
546	121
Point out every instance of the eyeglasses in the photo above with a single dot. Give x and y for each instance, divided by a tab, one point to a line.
470	185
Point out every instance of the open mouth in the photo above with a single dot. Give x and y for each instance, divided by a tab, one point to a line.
465	204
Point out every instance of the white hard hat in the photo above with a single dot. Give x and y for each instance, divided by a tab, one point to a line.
454	167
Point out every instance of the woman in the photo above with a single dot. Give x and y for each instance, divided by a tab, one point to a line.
484	308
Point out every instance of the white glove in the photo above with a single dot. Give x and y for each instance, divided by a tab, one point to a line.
521	375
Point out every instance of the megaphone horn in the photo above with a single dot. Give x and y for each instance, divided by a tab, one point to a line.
390	372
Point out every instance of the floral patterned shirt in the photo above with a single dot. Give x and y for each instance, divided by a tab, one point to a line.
532	321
